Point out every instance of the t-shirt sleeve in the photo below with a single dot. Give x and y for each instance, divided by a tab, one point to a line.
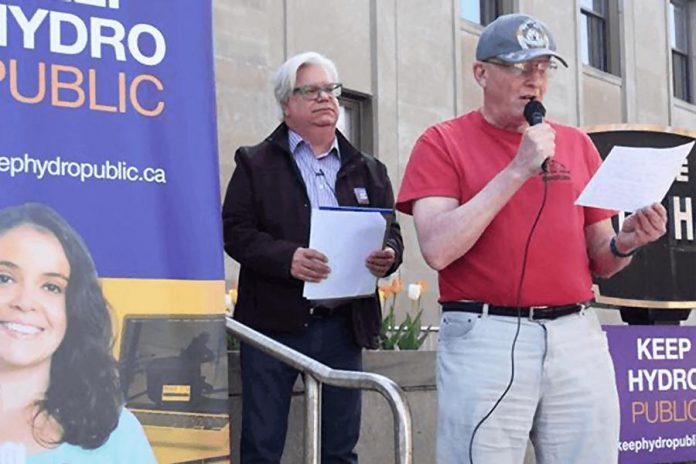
128	443
139	449
594	161
430	172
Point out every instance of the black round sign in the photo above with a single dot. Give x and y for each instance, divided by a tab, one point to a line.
662	274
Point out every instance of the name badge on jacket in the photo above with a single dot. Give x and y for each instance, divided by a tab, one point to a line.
361	196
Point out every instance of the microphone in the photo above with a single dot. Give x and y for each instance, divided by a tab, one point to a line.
320	173
534	113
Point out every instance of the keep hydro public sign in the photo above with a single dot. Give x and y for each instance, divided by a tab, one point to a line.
108	149
656	379
101	38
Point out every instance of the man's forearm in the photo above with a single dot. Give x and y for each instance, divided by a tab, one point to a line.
604	262
447	235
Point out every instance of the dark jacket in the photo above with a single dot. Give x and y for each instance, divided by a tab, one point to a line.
266	217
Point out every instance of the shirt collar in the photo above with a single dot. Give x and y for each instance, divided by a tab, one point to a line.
295	140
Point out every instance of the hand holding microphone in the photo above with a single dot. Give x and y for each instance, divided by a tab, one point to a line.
538	141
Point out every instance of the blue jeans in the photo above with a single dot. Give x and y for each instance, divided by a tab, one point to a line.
267	390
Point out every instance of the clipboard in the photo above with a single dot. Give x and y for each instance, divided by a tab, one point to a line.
347	235
388	214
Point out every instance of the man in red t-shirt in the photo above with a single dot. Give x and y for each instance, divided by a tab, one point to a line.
515	258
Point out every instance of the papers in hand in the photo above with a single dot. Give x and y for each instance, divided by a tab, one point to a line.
633	177
346	236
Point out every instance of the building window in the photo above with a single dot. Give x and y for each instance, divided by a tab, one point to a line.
681	67
482	11
600	42
593	27
355	119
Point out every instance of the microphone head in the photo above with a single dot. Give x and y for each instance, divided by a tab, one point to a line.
534	112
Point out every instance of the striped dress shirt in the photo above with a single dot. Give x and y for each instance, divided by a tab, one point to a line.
318	172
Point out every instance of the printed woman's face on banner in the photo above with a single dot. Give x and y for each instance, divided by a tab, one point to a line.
34	275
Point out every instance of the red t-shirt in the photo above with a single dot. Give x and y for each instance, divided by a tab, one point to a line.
457	158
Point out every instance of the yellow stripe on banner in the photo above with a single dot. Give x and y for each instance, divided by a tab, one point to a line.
153	296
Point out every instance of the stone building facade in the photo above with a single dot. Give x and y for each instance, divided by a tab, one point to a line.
406	64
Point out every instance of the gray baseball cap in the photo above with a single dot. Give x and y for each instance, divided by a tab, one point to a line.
515	38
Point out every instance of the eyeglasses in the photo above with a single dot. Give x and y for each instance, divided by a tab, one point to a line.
312	92
528	67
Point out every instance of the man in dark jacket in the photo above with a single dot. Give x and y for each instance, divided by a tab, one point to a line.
305	163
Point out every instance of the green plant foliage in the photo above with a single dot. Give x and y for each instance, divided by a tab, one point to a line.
389	335
412	337
406	335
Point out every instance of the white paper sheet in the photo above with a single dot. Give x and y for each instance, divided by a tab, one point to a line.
346	237
632	177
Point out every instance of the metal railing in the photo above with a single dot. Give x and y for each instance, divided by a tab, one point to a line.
315	374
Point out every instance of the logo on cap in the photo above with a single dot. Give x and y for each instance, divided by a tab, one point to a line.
531	34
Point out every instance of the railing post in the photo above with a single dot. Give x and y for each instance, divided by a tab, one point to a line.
312	419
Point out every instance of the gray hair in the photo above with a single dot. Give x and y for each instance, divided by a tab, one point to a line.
286	76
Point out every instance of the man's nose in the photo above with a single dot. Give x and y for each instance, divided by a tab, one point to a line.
534	79
323	94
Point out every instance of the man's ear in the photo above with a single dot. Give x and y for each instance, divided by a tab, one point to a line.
480	73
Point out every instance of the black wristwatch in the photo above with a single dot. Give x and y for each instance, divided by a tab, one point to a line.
615	251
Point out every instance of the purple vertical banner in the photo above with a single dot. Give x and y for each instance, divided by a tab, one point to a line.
656	378
112	333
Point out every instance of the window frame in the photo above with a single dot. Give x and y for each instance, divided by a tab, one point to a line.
684	91
607	18
361	123
489	10
597	51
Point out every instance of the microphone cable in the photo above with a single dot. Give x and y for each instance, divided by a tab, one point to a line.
320	173
519	319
